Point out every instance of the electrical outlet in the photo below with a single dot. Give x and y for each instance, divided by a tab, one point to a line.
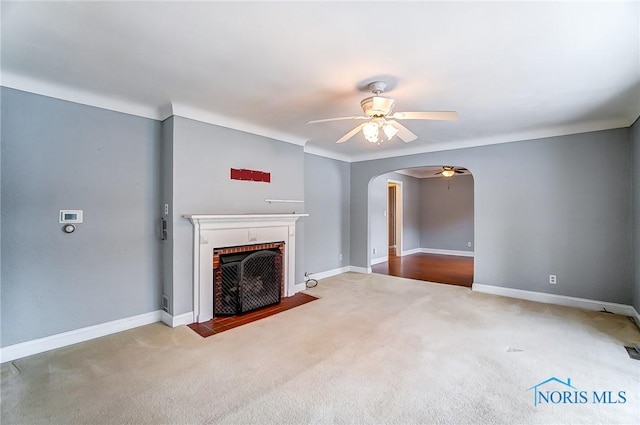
469	244
166	209
375	250
340	257
552	279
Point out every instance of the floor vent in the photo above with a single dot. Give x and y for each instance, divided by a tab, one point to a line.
634	352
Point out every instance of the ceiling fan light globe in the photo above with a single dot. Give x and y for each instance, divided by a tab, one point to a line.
448	173
389	130
370	131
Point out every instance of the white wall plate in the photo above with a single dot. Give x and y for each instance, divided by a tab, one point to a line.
70	216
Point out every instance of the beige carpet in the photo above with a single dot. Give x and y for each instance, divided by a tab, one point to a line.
374	349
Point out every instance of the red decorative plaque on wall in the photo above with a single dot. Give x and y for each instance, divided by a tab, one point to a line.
250	175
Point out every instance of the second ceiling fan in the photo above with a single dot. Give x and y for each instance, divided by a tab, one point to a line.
379	113
449	171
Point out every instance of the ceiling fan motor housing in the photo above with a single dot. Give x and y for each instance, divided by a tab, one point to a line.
377	106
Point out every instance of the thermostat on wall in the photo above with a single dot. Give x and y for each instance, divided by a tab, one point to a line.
70	216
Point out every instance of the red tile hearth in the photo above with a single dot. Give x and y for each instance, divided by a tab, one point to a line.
224	323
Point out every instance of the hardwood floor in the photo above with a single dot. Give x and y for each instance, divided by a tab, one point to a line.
429	267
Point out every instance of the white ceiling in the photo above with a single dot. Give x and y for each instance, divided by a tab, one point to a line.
512	70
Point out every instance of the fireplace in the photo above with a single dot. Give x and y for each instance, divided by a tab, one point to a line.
246	278
211	231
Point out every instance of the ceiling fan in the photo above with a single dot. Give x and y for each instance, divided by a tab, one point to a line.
448	171
379	111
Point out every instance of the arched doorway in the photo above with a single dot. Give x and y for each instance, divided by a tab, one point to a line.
422	224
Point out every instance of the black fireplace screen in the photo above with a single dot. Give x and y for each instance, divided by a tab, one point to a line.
249	281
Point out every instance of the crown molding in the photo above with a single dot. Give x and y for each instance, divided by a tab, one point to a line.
162	112
186	111
314	150
584	127
158	113
83	97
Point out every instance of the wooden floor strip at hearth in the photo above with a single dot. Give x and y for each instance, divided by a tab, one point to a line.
224	323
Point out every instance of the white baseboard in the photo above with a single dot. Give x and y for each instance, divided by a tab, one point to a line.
329	273
179	320
623	309
426	251
363	270
379	260
297	287
340	270
636	317
447	252
52	342
411	251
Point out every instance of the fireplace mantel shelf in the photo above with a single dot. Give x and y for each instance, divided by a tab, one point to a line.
241	217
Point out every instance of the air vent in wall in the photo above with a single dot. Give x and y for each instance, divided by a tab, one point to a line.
165	303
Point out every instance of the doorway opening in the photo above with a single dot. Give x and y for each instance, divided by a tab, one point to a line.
436	241
394	217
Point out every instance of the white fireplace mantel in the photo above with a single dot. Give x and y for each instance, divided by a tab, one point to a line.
224	230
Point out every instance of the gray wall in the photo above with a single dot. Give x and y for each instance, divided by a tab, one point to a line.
62	155
446	212
203	155
635	140
166	197
327	200
541	207
548	206
378	193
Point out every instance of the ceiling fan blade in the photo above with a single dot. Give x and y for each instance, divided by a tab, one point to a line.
403	132
432	115
338	119
439	172
458	172
350	134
